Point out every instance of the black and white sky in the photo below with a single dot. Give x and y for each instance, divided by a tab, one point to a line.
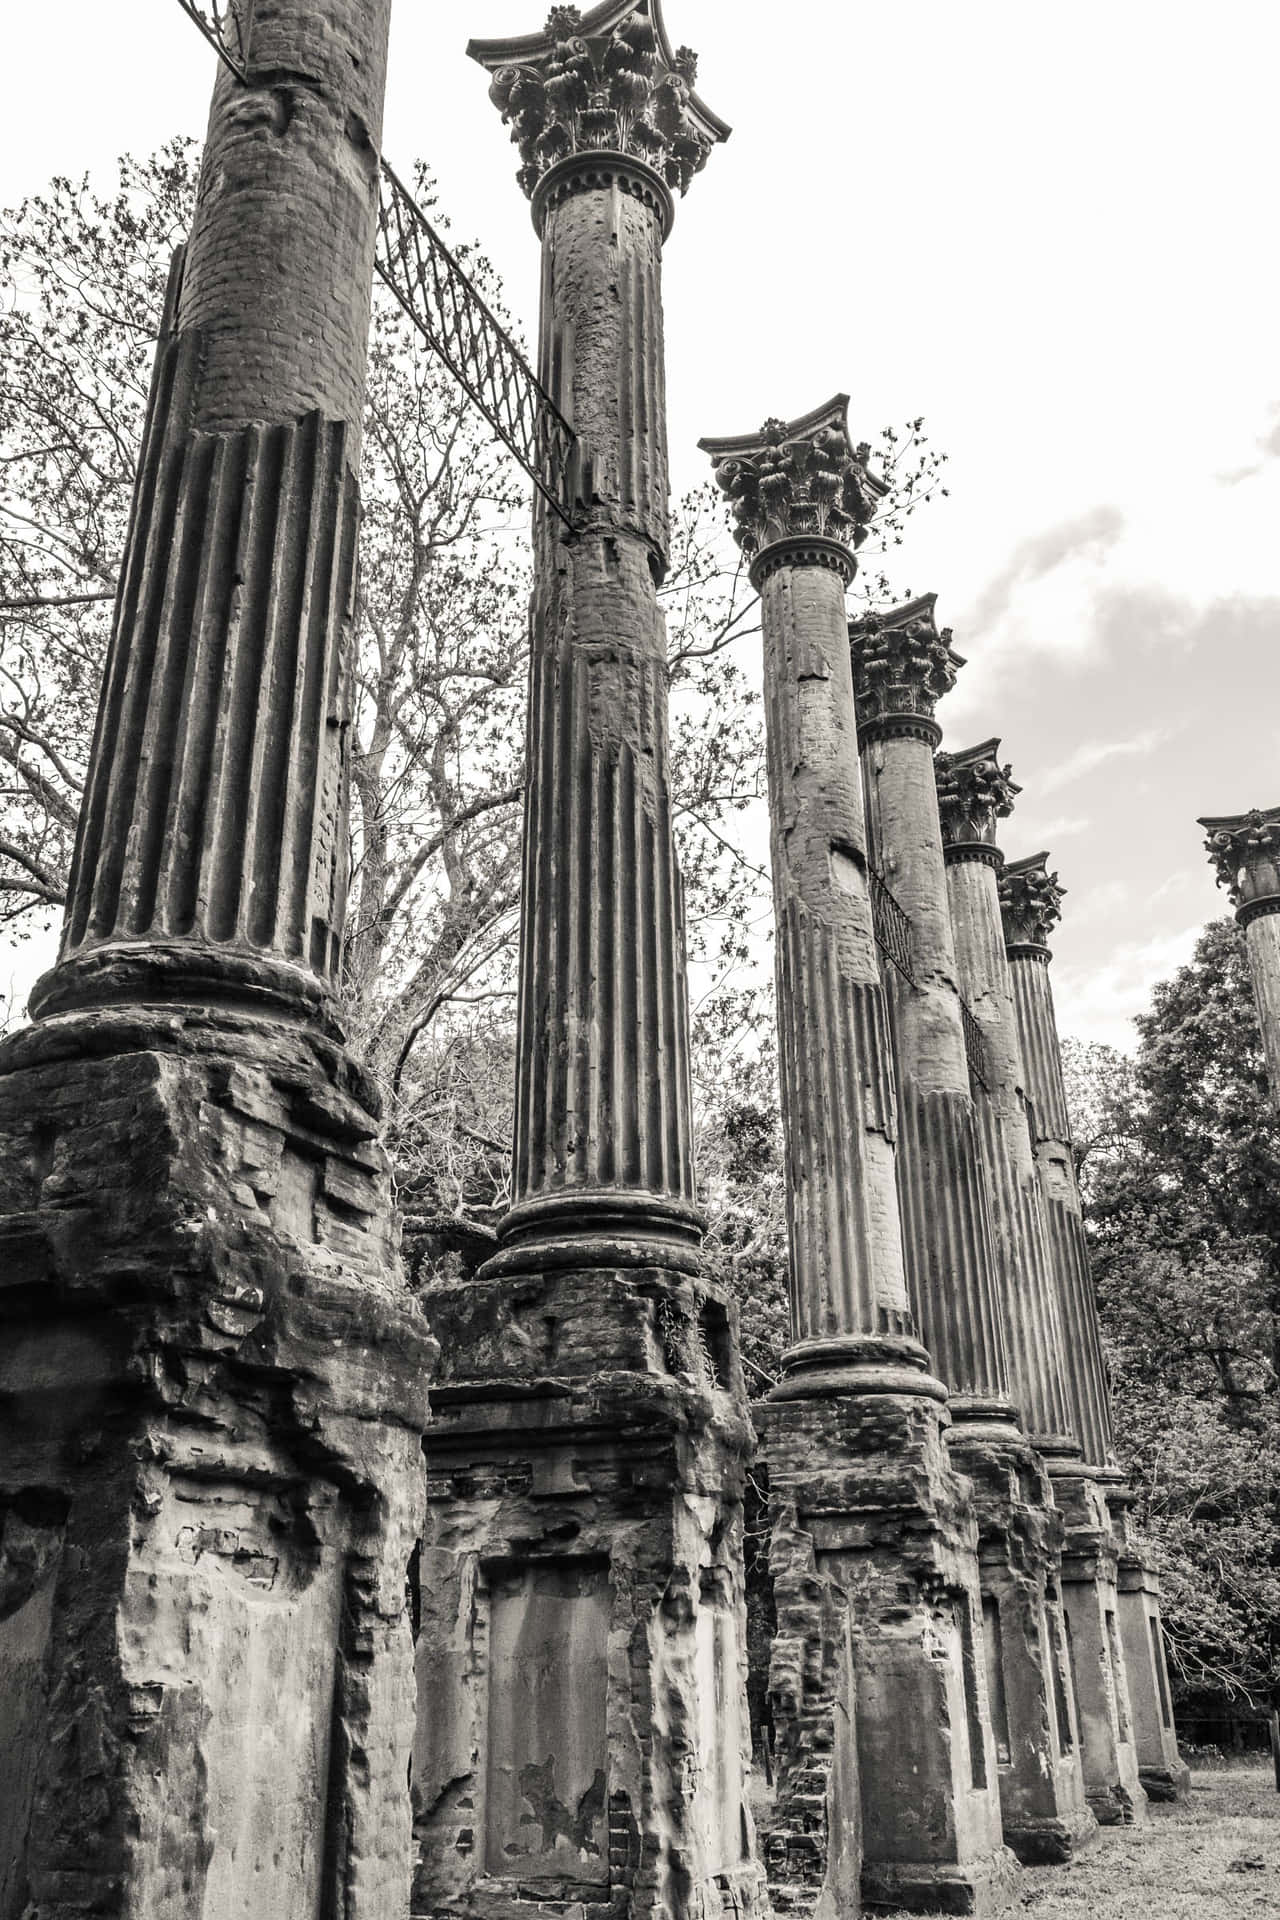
1042	227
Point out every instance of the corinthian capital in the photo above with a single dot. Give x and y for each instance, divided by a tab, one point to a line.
799	481
1245	851
602	82
1030	902
902	666
974	792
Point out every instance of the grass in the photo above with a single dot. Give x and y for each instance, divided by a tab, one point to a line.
1178	1864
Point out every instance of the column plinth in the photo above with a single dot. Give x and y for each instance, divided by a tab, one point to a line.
214	1380
1245	851
583	1736
867	1509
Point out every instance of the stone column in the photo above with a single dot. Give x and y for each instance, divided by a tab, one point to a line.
1030	900
963	1297
869	1515
583	1736
974	791
212	1377
1030	905
1245	851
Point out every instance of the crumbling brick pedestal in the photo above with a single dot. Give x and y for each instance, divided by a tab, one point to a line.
1163	1772
1091	1603
212	1393
1044	1814
581	1653
870	1511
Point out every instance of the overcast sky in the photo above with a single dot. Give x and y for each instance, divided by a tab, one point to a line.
1043	227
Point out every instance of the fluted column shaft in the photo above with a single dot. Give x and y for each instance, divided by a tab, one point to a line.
946	1228
211	859
1088	1395
603	1138
847	1263
1262	940
1033	1317
1245	850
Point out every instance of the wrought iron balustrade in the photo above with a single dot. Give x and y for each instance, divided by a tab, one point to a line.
453	318
227	28
975	1047
442	302
892	925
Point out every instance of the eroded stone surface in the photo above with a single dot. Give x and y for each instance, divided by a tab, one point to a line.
583	1740
212	1392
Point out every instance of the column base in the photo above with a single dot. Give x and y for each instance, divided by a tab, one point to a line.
212	1395
980	1887
1044	1812
1161	1769
583	1740
864	1482
1091	1602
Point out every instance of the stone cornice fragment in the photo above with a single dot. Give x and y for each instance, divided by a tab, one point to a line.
1245	851
974	792
603	82
902	666
1030	902
801	484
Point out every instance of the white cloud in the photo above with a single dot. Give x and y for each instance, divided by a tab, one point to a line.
1099	1003
1088	758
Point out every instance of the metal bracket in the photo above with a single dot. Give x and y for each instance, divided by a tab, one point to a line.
226	27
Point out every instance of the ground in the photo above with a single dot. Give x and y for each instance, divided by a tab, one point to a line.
1216	1857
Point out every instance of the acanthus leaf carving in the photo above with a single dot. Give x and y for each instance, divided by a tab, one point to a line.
974	792
1030	901
901	663
1245	851
798	479
607	81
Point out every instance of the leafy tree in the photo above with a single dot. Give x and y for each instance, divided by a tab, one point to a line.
441	669
1179	1151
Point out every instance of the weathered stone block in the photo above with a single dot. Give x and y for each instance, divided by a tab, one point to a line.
210	1477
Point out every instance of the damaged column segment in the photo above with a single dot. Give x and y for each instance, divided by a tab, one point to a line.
583	1740
961	1293
1244	849
1042	1786
875	1544
1101	1555
212	1377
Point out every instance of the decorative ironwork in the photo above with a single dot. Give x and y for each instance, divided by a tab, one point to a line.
892	925
452	317
227	28
975	1047
443	303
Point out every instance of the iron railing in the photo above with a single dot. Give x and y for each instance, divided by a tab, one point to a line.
443	304
453	318
975	1047
227	28
891	924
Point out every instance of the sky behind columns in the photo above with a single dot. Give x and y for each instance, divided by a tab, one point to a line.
1045	228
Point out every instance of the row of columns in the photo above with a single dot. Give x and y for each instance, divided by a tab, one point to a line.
989	1519
205	1644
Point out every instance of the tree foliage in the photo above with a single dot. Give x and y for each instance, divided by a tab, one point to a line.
1179	1151
441	670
